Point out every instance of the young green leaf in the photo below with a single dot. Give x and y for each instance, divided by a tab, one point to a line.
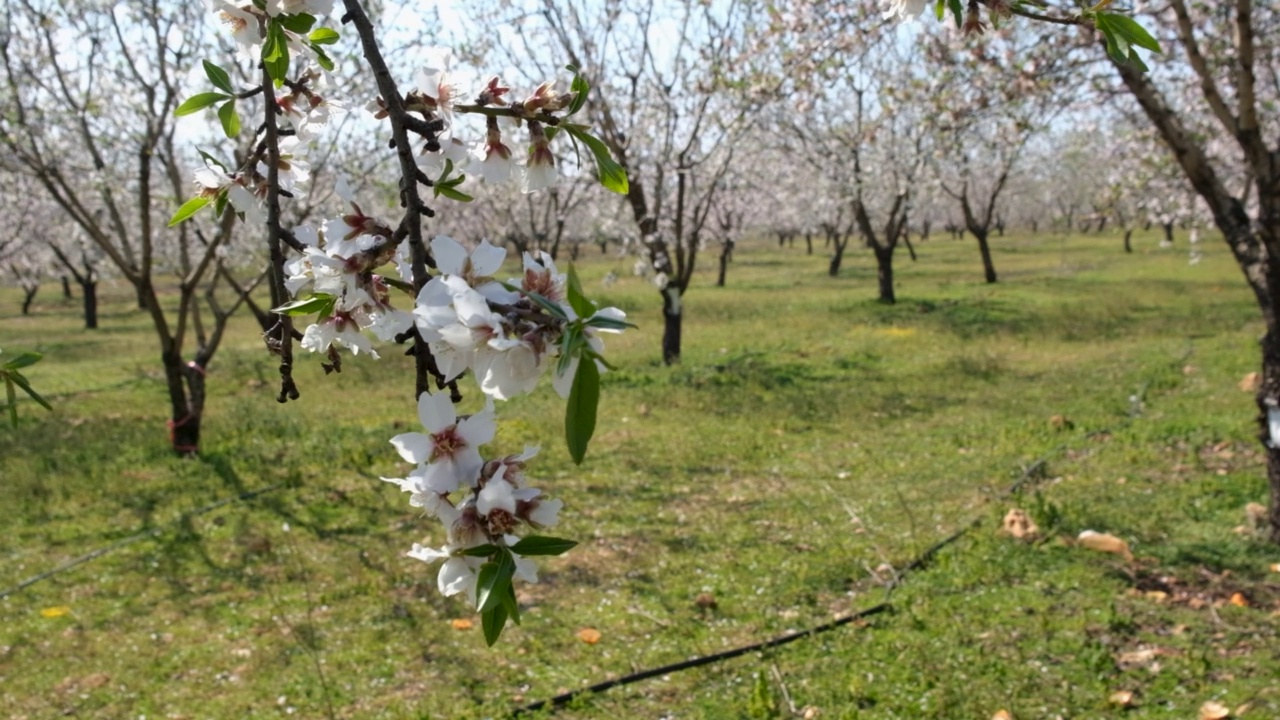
957	11
189	208
480	550
198	102
230	119
321	303
21	381
212	160
13	399
323	36
450	191
580	413
571	343
218	77
322	57
540	545
494	579
26	359
577	299
300	23
1131	30
612	176
275	52
493	621
581	88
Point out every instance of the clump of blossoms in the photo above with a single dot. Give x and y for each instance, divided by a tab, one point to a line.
507	334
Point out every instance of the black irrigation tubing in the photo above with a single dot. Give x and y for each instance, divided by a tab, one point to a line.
1029	474
917	563
136	537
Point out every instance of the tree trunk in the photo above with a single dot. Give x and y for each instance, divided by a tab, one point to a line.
89	289
834	268
672	316
1035	226
924	231
1266	405
66	288
988	268
726	254
1168	232
185	383
808	243
28	296
911	249
142	295
1102	224
1128	233
884	273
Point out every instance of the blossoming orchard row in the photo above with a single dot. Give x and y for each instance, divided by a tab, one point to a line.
507	334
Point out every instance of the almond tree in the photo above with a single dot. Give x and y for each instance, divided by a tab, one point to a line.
1211	98
88	114
1005	87
865	132
664	111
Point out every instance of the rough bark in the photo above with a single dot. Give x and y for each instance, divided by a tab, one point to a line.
672	318
988	267
28	296
1128	235
884	274
89	289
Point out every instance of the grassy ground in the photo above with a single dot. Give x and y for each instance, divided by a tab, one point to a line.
810	437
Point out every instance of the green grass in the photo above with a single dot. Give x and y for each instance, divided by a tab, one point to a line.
809	436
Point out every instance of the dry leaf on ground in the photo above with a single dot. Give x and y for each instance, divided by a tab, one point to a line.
1105	542
1018	525
590	636
1213	710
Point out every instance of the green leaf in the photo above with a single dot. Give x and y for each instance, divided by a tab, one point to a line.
212	160
551	308
220	203
218	77
26	359
198	102
580	413
577	299
321	303
511	605
493	622
579	86
1132	31
21	382
13	400
940	9
612	176
275	52
608	323
494	579
230	119
957	11
300	23
189	208
570	344
450	191
322	57
539	545
479	551
324	36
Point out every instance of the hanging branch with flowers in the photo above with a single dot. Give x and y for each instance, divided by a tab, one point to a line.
506	334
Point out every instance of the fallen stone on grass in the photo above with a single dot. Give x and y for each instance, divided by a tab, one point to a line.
1018	525
1105	542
